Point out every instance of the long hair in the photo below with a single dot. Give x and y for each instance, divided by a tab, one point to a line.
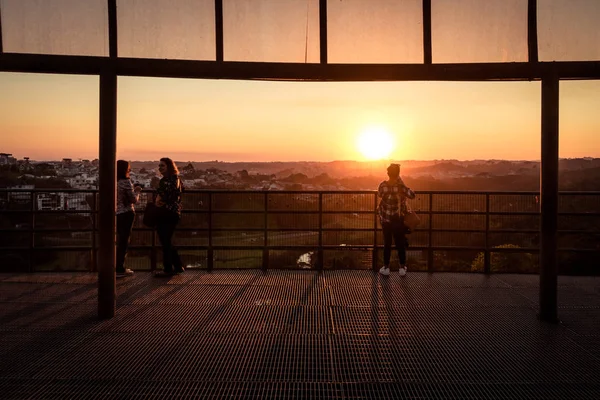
171	167
122	168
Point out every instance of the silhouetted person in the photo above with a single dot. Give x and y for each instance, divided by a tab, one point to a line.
127	196
168	199
392	209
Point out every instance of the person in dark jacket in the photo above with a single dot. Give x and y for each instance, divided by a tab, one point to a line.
168	197
127	196
392	209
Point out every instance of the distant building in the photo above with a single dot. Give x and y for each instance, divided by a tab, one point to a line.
7	159
67	163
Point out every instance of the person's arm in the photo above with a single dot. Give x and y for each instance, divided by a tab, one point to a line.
406	191
131	194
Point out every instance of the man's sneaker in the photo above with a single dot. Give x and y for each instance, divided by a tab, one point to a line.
402	271
127	272
385	271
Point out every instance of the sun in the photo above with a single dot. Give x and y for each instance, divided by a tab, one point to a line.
375	143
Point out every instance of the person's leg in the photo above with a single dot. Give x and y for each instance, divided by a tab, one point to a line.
387	248
177	264
124	226
400	242
164	230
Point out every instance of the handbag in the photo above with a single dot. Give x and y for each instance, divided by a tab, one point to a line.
411	220
151	215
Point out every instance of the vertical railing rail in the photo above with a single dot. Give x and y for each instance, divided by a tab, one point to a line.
94	232
323	31
430	235
210	258
320	259
486	253
265	255
375	252
30	260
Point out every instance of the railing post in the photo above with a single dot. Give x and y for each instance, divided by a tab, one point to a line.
320	259
210	258
219	30
375	252
430	236
94	226
265	256
549	199
31	233
427	52
486	254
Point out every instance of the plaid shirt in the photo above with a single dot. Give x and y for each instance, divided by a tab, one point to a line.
393	200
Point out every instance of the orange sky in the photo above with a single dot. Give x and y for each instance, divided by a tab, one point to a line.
51	117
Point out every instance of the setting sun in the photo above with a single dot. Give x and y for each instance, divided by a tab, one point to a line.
375	143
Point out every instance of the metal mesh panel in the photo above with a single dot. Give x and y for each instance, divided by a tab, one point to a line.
291	259
348	259
293	202
391	32
348	202
479	31
295	238
62	260
458	222
345	238
349	221
580	203
14	239
516	239
238	202
265	30
238	259
164	29
514	203
509	222
139	259
14	261
58	239
69	27
460	239
458	202
237	221
293	221
453	260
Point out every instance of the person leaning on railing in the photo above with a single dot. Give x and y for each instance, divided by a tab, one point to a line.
127	196
391	210
168	201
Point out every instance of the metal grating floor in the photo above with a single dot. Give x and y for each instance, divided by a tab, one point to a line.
298	335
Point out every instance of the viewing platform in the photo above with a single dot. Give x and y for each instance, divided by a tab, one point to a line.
298	334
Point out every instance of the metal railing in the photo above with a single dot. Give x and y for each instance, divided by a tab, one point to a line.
459	231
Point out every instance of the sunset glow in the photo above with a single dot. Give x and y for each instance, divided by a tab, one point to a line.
375	143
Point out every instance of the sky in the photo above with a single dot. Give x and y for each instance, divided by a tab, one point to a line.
52	116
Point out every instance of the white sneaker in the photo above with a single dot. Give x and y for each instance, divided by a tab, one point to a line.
402	271
385	271
127	272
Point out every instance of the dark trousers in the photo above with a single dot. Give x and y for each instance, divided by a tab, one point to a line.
165	228
396	230
124	226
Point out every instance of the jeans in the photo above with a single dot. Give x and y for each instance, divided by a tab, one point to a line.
124	226
165	228
394	229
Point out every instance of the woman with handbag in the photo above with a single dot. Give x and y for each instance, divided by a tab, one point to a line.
392	210
127	196
168	203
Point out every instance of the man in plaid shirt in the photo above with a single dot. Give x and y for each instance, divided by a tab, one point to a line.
392	209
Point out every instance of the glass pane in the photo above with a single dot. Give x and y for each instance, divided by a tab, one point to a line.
578	131
391	32
47	118
182	29
568	30
466	31
68	27
267	30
